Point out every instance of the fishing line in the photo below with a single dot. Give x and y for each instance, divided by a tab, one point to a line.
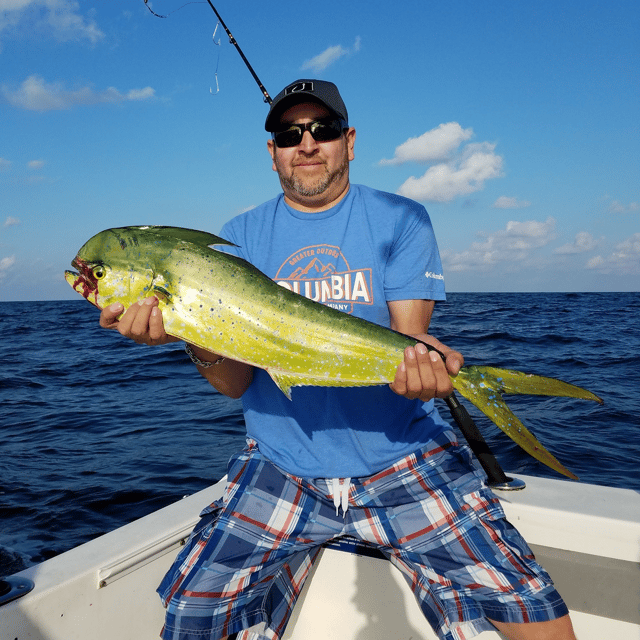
232	40
157	15
217	61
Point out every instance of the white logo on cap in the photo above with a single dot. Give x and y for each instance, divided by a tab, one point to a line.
298	87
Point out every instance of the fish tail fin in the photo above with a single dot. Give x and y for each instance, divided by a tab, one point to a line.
483	387
510	381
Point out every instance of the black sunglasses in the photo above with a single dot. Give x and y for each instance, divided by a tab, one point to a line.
321	131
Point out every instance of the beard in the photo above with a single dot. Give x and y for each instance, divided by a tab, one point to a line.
309	187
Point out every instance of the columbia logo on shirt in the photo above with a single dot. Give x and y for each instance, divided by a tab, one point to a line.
314	273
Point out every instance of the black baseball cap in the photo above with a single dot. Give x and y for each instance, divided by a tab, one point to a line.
321	91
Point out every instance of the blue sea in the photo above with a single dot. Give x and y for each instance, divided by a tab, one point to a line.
97	431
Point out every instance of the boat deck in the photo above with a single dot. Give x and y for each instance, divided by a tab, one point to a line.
586	536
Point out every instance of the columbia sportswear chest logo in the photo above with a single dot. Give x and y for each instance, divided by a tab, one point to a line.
322	273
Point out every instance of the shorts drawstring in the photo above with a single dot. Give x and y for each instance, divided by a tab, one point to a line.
340	488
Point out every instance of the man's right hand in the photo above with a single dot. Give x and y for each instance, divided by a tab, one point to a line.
142	322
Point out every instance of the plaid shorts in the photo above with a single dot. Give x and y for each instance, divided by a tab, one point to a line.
429	513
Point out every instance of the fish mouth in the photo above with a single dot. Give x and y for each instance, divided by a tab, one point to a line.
68	274
81	280
71	277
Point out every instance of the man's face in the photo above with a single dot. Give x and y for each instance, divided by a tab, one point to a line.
314	175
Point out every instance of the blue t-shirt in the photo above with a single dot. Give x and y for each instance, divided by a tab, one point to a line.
371	247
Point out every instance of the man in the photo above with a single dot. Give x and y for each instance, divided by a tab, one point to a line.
375	463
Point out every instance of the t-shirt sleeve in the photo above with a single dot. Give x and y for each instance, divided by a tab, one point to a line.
233	232
414	270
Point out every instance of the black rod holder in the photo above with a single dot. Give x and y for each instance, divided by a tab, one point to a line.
497	478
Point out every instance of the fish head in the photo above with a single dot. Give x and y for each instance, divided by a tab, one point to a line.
112	266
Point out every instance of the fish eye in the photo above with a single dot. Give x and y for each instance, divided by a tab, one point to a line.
99	272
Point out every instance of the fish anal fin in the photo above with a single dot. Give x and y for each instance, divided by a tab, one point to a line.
285	380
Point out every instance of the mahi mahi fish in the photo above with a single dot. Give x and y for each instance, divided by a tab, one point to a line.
220	302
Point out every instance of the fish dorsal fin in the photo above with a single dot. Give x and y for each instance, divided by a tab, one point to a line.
200	238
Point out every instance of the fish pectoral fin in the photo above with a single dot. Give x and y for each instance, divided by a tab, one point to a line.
510	381
487	398
161	293
285	381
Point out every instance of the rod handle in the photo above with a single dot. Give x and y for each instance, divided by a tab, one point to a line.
477	443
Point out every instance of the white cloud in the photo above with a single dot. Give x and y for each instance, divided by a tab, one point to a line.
514	244
59	18
504	202
432	146
324	59
11	221
624	260
463	175
35	94
140	94
330	55
5	265
618	207
14	5
35	164
584	241
5	164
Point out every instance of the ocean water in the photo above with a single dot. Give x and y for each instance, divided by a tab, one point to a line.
96	431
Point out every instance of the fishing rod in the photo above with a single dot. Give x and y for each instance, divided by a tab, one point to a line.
233	41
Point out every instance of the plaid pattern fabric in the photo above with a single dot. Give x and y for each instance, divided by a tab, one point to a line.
429	513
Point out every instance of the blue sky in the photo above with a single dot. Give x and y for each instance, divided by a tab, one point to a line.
516	124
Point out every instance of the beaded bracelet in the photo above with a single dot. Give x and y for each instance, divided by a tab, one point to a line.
205	364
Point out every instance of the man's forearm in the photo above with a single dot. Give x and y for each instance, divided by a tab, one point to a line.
229	377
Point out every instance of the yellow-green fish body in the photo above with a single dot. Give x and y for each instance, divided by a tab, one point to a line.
222	303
